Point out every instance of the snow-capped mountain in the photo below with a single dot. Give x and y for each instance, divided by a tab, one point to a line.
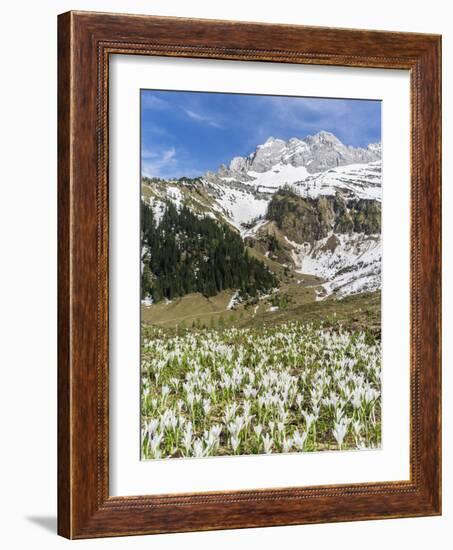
241	202
346	256
315	153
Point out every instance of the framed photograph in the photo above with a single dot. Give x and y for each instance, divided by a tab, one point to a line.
249	275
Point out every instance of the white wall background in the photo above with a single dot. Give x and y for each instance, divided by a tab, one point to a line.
28	239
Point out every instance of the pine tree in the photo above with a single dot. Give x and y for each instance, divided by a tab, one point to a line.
191	254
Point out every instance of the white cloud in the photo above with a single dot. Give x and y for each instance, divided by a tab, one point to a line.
167	163
156	164
169	155
202	118
311	112
150	101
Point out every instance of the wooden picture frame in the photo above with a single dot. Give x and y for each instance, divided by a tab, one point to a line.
85	42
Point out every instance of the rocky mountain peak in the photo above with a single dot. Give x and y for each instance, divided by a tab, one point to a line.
270	142
324	138
375	147
317	153
238	164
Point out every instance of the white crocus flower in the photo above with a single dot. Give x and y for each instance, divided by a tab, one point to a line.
309	419
236	426
268	444
356	399
190	398
198	449
216	430
339	431
234	442
187	437
206	406
370	395
287	444
153	424
258	429
211	438
299	439
154	445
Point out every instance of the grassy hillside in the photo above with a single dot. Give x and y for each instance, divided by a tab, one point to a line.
294	302
283	296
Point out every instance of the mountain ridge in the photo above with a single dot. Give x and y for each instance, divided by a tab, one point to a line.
345	252
317	153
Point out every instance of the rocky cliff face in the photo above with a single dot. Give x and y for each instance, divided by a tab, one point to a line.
332	237
316	153
308	220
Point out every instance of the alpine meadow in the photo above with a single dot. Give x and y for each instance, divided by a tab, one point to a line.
260	274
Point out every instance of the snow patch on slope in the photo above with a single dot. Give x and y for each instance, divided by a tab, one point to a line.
175	195
350	263
252	231
233	300
277	176
158	207
359	180
239	206
362	181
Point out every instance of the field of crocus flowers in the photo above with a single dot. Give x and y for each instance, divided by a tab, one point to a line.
288	388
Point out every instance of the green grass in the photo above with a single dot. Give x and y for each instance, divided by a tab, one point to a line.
360	312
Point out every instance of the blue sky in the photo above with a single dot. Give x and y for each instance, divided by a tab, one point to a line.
188	133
